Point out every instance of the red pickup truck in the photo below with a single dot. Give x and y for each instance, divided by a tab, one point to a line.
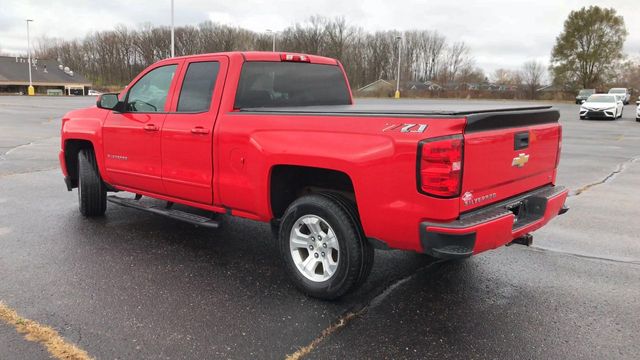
276	137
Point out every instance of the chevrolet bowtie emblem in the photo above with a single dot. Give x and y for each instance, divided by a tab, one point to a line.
520	160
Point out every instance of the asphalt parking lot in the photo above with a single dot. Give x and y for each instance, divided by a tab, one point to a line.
136	286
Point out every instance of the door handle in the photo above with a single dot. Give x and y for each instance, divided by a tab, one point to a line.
150	127
199	130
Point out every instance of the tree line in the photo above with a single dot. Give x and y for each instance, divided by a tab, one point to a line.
114	57
587	54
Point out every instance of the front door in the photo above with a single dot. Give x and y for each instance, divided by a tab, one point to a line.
132	138
187	133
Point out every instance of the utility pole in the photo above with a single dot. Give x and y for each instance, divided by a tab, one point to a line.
273	39
173	41
399	39
30	90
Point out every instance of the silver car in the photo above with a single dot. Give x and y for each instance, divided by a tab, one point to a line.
624	93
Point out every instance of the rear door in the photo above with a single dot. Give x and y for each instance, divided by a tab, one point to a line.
131	139
187	133
506	154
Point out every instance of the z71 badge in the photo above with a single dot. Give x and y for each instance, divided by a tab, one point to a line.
406	128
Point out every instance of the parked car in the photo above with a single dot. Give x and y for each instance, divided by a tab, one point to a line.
624	94
275	137
638	110
94	93
605	106
584	94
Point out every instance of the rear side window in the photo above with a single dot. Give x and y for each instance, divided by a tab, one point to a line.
197	87
279	84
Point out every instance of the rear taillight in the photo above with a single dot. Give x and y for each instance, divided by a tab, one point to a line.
559	145
440	166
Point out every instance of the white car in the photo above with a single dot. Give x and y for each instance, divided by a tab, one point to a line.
602	106
94	93
624	93
638	110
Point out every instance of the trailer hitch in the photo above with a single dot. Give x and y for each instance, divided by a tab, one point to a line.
525	240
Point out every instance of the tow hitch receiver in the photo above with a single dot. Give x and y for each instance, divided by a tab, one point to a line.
526	240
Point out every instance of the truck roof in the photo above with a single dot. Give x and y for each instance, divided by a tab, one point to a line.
265	56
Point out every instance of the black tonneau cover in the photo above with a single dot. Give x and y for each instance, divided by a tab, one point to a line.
479	116
401	109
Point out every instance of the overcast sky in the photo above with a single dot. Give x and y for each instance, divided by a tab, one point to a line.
501	33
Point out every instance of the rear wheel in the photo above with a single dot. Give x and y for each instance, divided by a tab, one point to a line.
92	194
323	248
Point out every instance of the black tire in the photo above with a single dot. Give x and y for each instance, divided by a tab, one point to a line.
351	208
582	117
92	193
355	253
638	119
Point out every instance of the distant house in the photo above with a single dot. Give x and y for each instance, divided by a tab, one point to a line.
489	87
433	86
377	87
48	76
504	87
471	86
381	86
414	86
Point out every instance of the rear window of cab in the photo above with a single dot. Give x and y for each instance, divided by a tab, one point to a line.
283	84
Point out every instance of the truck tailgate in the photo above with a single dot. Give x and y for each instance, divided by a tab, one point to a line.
508	153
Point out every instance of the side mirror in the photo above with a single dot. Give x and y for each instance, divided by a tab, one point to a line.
110	101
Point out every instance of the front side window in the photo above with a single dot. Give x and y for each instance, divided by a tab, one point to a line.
197	87
149	94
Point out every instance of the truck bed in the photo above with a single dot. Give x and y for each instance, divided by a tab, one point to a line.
479	117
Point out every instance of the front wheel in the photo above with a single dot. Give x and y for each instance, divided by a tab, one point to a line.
92	194
323	247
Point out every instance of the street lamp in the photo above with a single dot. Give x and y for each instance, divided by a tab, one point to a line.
273	39
30	89
173	42
399	39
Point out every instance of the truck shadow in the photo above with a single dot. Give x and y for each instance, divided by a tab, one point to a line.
207	285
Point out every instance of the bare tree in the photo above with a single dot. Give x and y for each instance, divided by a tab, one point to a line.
457	60
532	75
114	57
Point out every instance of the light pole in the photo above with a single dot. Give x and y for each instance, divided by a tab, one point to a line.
173	41
273	39
30	89
399	39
